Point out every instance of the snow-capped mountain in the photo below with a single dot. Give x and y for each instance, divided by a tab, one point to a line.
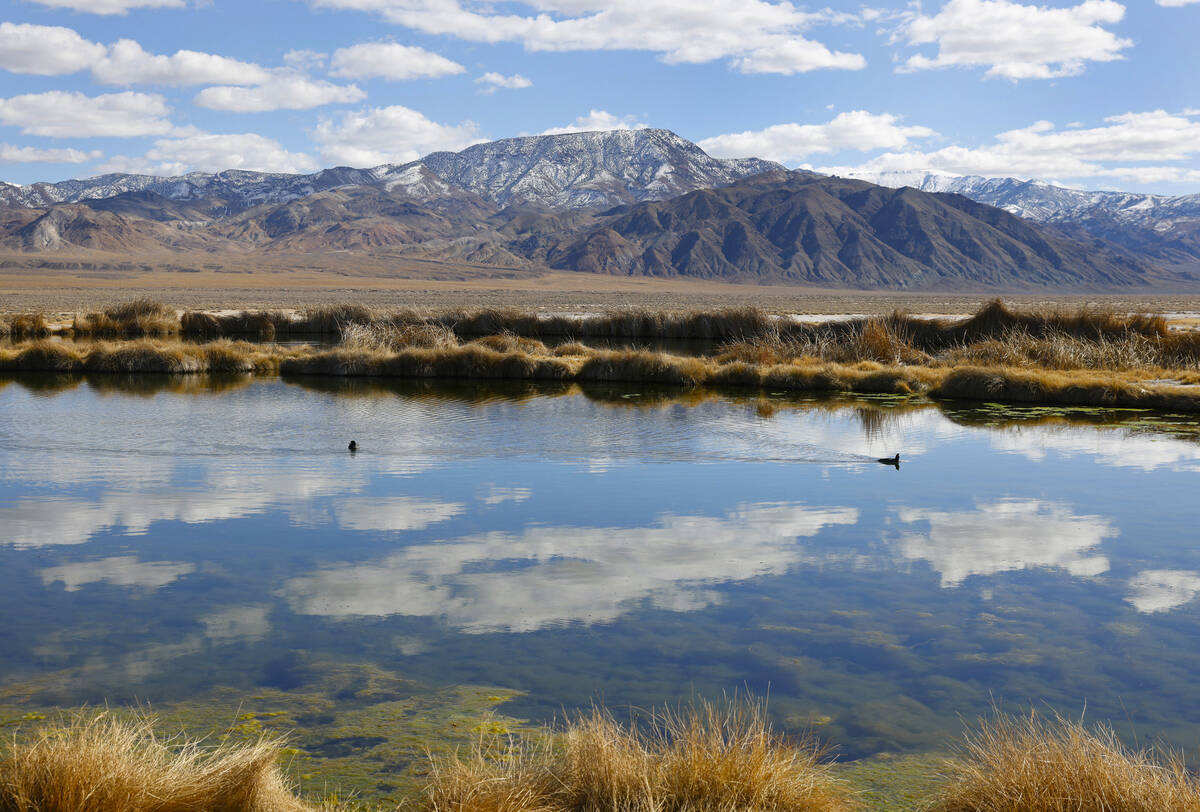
573	170
1046	203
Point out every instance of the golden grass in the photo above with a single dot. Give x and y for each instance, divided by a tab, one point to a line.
26	325
706	758
1038	764
144	356
103	764
141	317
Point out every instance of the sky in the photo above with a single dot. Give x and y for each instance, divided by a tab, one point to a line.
1096	94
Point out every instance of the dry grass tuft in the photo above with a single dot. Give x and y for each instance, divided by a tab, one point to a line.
1038	764
104	764
707	758
28	325
385	336
141	317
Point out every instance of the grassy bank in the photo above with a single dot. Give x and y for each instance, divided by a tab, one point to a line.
1080	358
701	758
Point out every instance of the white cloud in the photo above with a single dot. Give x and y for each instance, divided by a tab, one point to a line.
1176	3
393	134
857	129
303	60
496	495
595	121
45	50
10	154
119	571
394	513
569	574
493	81
127	63
1006	535
1162	590
1016	41
65	114
283	91
212	152
390	60
110	6
1043	151
755	36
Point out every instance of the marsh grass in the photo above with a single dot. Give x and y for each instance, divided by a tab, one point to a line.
101	763
1035	763
143	356
141	317
26	325
703	758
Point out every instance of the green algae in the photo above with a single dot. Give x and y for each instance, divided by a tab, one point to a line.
892	783
353	730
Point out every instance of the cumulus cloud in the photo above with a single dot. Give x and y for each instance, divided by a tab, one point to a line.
119	571
1042	150
110	6
390	60
212	152
1007	535
857	130
1016	41
493	81
10	154
283	91
55	51
755	36
393	134
45	50
68	114
597	120
127	63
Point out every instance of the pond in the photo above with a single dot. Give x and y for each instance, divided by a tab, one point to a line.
209	547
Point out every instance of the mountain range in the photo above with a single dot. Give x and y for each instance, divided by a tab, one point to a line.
629	202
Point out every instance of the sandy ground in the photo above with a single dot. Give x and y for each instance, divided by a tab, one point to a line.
71	285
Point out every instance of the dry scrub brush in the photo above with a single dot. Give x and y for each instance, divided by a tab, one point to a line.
141	317
1039	764
706	758
104	764
26	325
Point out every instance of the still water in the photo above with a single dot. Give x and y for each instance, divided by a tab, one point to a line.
188	543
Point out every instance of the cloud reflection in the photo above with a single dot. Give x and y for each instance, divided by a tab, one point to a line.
1107	446
1006	535
123	570
1162	590
546	576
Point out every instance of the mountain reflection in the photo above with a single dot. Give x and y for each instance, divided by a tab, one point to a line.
547	576
1011	534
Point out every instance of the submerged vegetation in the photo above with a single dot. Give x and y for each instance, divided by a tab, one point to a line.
1080	358
704	757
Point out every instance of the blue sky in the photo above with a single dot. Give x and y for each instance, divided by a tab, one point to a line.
1090	93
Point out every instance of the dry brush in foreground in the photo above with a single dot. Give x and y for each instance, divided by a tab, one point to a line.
104	764
706	758
1039	764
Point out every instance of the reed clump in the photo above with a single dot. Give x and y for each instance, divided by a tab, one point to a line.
143	356
706	758
1037	764
27	325
105	764
141	317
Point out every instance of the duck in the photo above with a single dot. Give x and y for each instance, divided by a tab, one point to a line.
891	461
353	446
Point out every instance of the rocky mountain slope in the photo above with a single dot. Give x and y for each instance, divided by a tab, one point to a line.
555	171
642	202
1161	227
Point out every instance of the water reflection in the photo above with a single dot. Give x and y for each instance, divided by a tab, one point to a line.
547	576
1107	446
1163	590
1006	535
123	570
